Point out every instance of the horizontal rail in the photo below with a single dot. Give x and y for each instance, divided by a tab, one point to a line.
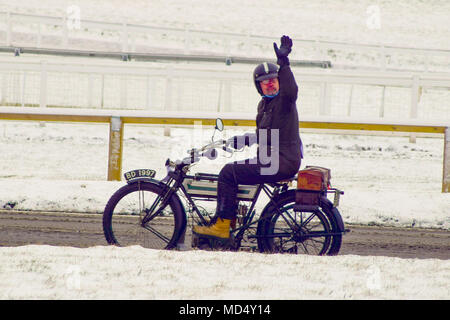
128	56
54	117
136	68
229	119
119	118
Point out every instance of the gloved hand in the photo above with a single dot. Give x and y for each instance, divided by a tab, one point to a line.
284	50
238	142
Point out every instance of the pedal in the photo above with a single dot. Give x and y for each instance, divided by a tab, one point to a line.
212	243
219	244
200	242
194	241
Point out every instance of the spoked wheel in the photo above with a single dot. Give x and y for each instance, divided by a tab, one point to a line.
126	211
299	232
289	231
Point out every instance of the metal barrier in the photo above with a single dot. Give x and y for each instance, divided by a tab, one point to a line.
128	56
125	38
117	120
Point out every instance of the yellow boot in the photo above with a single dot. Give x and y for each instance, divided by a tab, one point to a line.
220	229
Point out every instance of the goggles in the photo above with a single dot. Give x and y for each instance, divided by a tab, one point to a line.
267	81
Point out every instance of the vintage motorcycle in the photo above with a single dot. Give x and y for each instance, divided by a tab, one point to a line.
150	213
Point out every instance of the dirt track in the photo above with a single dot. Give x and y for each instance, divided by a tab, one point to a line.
85	230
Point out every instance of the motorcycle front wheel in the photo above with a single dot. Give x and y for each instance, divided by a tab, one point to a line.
123	218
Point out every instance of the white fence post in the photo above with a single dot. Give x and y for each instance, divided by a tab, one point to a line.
168	96
350	99
102	103
249	42
8	29
133	41
148	94
65	32
227	96
227	45
4	88
381	114
39	35
43	87
24	78
414	97
325	99
414	104
427	62
179	91
383	58
317	49
187	41
446	171
124	37
123	92
89	90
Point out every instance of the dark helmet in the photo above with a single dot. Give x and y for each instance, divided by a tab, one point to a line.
264	71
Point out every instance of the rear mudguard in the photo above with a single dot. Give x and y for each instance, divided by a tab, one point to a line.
335	212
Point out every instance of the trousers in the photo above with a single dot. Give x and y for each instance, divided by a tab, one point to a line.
233	174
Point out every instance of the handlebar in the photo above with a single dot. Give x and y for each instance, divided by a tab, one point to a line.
221	144
209	151
225	148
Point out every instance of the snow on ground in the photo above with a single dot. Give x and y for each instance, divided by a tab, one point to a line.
51	166
44	272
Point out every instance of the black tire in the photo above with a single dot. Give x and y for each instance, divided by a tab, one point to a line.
331	213
123	215
310	234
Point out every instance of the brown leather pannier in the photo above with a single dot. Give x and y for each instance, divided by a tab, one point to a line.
311	182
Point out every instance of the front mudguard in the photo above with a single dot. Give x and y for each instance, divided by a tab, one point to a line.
146	179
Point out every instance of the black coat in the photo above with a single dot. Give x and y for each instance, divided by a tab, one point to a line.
281	113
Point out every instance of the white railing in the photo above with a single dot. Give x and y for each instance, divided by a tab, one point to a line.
168	87
61	32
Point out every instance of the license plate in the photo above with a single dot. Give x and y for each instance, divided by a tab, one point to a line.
139	173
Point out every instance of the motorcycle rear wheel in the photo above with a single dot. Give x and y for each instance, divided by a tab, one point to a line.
298	232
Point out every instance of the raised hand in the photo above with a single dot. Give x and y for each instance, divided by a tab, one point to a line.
284	50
